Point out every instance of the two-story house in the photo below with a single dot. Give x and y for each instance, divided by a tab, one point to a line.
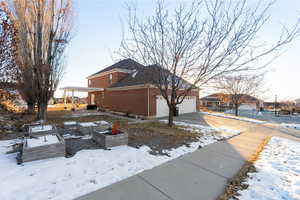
127	89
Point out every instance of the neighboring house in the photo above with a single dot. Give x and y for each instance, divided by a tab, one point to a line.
214	101
297	102
219	101
127	87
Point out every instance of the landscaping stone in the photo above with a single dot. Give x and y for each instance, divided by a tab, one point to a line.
37	150
107	140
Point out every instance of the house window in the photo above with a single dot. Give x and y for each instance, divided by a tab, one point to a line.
110	78
90	82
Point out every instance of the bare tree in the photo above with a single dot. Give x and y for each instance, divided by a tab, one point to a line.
44	30
198	42
8	68
239	89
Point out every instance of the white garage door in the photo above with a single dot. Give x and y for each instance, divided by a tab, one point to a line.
187	106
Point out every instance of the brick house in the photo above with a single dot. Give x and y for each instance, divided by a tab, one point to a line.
126	88
221	102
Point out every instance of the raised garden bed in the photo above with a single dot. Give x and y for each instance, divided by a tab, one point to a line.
106	140
41	130
71	125
86	128
102	125
43	147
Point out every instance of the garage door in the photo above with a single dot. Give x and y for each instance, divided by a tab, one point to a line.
187	106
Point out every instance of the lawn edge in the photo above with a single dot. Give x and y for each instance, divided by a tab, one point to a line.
237	183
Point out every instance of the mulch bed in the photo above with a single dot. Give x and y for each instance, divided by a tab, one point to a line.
77	144
159	137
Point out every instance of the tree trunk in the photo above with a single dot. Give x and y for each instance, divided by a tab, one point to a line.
30	107
236	108
171	116
42	113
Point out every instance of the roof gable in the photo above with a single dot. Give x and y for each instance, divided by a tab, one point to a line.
124	65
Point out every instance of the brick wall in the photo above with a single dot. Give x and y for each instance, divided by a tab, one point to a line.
104	82
132	101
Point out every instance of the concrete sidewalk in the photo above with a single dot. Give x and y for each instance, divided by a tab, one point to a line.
201	175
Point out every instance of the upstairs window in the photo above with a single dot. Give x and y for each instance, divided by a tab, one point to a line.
110	78
90	82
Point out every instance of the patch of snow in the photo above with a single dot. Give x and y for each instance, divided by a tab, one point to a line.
43	140
278	172
69	136
234	117
87	124
102	122
295	126
70	123
88	170
41	128
210	134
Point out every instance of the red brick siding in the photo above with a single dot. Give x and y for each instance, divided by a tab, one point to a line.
132	101
104	82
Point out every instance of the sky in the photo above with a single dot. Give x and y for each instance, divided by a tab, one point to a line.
98	33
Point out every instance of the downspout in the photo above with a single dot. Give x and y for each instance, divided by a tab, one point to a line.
148	102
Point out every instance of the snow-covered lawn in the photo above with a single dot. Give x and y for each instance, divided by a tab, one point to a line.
209	134
234	117
88	170
278	172
295	126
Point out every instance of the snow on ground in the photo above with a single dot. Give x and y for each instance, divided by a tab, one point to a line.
278	175
70	123
295	126
88	170
102	122
87	124
210	134
41	128
234	117
83	137
40	141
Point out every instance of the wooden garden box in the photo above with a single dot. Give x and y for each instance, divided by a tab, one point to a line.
41	130
49	148
108	140
70	125
86	128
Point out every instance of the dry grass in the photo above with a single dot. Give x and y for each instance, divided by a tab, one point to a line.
237	183
159	136
63	107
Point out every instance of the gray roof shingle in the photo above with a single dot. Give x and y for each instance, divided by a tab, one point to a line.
123	64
